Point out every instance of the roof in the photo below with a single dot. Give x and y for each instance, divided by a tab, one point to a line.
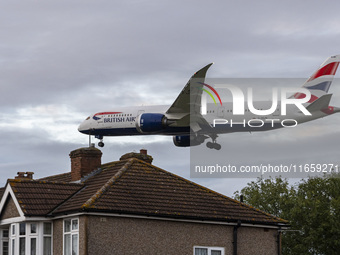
39	198
65	177
133	186
2	190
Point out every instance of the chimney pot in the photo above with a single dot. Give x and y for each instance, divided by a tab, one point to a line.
30	175
20	175
25	175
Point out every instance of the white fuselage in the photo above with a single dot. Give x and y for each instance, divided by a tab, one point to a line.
123	121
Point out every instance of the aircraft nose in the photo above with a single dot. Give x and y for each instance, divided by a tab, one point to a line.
83	127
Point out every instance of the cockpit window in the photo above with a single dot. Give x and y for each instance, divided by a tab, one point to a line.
88	118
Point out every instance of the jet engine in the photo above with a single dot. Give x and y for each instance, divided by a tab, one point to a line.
151	122
187	140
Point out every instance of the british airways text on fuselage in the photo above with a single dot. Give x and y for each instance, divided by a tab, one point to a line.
119	119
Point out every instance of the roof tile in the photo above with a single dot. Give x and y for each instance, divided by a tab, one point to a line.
41	197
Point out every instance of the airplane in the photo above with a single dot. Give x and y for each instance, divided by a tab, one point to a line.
189	126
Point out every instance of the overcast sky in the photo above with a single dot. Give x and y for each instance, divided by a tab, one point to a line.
62	60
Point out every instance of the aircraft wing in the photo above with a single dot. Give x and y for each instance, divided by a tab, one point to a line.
182	103
188	102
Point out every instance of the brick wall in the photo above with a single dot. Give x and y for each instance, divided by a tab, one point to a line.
118	235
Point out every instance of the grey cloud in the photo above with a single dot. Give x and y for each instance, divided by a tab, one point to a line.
101	55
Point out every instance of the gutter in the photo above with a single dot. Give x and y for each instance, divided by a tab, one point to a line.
168	218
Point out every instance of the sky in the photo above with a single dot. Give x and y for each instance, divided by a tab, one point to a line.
60	61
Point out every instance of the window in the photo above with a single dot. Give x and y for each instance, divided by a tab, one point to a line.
5	241
30	238
22	248
33	228
33	238
13	246
47	239
200	250
5	247
22	238
71	237
5	233
33	250
12	239
22	227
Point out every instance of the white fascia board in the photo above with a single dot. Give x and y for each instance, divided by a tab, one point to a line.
9	191
12	220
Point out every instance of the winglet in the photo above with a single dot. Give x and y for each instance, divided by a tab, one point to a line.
182	103
202	72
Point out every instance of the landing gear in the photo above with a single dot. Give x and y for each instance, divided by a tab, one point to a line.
214	144
100	137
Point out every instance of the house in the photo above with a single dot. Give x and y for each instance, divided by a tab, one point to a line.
127	207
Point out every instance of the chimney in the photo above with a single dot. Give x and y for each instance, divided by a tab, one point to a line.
143	152
84	161
142	155
24	175
21	175
29	175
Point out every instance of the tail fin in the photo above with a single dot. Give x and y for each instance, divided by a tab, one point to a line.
320	81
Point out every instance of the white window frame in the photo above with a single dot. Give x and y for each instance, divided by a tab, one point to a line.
209	249
31	235
14	237
72	232
46	235
22	236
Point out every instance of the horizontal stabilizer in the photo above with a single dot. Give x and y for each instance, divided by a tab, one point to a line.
320	104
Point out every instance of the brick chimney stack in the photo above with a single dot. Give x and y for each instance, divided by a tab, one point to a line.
84	161
142	155
143	152
24	175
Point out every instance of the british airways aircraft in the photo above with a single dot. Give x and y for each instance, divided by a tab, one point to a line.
191	125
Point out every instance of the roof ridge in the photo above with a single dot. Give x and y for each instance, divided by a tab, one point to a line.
108	184
55	175
40	181
215	192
